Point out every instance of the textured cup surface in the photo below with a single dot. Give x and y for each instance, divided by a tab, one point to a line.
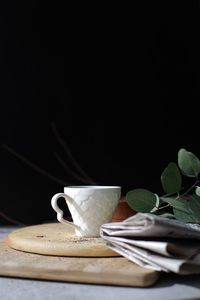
90	207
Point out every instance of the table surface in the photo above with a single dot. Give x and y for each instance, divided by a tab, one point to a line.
170	286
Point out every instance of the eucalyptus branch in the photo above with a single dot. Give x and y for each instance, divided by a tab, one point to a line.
188	190
172	194
188	209
160	207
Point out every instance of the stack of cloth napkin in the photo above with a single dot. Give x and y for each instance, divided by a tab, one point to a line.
155	242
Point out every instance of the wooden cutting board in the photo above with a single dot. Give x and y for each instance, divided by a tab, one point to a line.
57	239
101	270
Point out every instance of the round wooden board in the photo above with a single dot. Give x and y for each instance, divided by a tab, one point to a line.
57	239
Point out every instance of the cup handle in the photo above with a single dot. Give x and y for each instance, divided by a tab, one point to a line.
59	211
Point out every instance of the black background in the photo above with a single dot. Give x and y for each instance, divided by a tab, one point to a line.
122	88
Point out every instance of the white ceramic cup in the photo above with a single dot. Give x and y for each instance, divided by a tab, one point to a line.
90	207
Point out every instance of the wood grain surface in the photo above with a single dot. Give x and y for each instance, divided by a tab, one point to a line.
102	270
57	239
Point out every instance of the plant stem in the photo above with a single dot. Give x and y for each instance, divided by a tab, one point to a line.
159	208
184	194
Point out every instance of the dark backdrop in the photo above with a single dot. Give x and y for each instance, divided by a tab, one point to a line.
122	95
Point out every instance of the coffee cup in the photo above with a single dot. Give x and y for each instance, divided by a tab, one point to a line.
90	207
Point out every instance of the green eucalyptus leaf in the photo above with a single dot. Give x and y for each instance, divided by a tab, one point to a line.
177	204
167	215
195	198
186	208
182	210
197	191
187	211
171	179
188	163
141	200
182	216
195	208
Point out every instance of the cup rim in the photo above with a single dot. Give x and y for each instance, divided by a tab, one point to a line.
92	187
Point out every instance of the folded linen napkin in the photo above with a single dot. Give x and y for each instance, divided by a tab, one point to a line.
155	242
